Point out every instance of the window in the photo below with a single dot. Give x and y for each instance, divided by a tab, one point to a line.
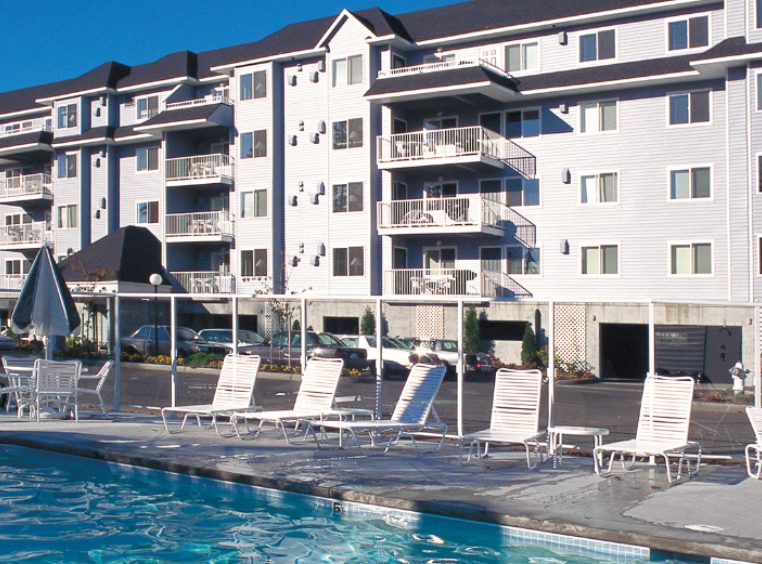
67	216
67	116
398	61
17	267
347	71
689	107
522	123
691	258
146	107
521	260
598	116
347	197
247	145
254	204
260	143
148	212
147	159
254	263
349	261
603	259
759	90
253	85
759	173
522	57
523	191
597	46
758	19
690	183
67	166
347	134
688	33
600	188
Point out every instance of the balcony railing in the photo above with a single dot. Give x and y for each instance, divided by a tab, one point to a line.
24	234
12	281
435	213
452	282
15	128
217	167
436	66
209	99
206	282
200	224
39	184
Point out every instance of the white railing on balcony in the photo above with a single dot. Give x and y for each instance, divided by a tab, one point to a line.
473	210
39	184
438	144
25	126
12	281
200	167
24	234
199	224
448	64
206	282
452	282
208	99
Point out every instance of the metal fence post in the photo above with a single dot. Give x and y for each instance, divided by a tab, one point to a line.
234	307
117	403
551	372
173	348
460	368
303	330
379	362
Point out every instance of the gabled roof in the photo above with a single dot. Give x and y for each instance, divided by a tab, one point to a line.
179	64
129	254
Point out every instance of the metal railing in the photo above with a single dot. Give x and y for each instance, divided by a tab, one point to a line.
436	66
24	234
461	211
501	285
432	282
526	231
206	282
200	167
12	281
255	284
208	99
26	185
199	224
25	126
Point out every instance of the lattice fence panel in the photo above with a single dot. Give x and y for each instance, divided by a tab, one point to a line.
570	326
429	322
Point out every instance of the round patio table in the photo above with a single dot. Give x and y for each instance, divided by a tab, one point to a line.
556	440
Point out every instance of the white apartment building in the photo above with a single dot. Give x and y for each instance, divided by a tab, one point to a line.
590	151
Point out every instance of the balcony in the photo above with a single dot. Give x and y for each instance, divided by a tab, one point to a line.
434	216
26	188
468	77
206	282
12	281
28	139
198	113
456	146
205	101
201	170
199	227
452	282
24	235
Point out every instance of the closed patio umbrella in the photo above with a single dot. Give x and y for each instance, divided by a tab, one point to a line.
45	302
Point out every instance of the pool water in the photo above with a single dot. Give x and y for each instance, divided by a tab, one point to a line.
59	508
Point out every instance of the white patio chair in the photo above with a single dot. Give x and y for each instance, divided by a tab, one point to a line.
411	414
755	417
313	401
57	381
515	415
234	392
101	378
665	417
20	389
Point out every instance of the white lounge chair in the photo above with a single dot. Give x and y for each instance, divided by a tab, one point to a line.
755	417
20	373
515	415
410	416
57	380
101	377
313	401
234	392
665	417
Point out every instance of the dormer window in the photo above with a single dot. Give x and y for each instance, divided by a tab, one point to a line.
147	107
67	116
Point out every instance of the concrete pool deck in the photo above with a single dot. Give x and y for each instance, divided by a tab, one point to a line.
715	514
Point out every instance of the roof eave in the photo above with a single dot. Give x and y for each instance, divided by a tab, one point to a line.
486	87
22	113
307	53
157	83
48	101
682	76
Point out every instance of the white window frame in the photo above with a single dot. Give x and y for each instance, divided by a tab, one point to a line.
758	85
523	179
598	103
669	95
76	166
424	250
597	174
347	146
689	243
524	70
758	172
138	99
66	105
148	212
58	216
347	184
254	215
523	260
596	31
346	247
429	183
687	18
346	58
254	96
147	170
599	244
689	168
758	256
504	124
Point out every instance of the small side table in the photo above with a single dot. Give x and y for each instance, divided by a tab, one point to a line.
556	440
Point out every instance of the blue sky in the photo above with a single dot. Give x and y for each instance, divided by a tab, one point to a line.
44	41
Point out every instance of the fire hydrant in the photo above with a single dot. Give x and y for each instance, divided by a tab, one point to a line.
738	373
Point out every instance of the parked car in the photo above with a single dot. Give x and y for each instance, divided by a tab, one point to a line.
144	341
395	357
447	351
324	345
247	340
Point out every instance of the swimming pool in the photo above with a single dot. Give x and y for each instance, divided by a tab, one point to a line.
63	508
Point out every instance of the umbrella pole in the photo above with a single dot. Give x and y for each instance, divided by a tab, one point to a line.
48	349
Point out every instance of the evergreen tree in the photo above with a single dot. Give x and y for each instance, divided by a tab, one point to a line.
471	338
528	346
368	323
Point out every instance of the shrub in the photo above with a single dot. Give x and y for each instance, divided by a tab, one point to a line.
367	322
471	335
528	346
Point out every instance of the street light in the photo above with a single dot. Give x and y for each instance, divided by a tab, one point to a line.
155	280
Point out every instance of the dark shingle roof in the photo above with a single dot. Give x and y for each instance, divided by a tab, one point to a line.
178	64
182	114
105	132
43	137
732	47
441	79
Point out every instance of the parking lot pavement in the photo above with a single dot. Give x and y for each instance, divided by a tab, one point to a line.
723	429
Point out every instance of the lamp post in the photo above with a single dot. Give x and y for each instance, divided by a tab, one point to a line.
155	281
